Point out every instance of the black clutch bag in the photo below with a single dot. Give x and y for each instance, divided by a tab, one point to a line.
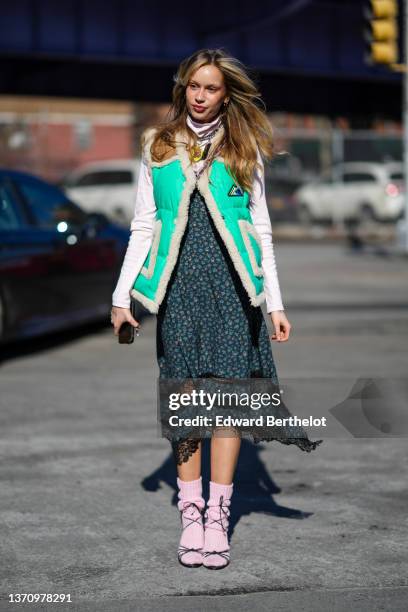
127	331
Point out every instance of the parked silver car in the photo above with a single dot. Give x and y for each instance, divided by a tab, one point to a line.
108	186
354	190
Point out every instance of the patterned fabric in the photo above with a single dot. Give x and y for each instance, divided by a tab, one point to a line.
206	325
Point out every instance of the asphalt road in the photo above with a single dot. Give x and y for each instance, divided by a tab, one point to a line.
87	504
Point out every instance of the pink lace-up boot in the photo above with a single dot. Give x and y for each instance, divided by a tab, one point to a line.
216	547
191	506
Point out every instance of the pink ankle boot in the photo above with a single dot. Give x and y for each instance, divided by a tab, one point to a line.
216	547
191	506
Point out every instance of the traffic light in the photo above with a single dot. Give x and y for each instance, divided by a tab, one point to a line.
381	32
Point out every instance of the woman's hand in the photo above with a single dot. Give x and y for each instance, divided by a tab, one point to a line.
120	315
281	325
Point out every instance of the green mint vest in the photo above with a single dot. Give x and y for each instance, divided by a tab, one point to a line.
174	181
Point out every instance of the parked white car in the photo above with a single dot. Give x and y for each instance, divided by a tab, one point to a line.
108	187
365	191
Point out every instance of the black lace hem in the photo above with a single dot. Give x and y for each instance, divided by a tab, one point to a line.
185	448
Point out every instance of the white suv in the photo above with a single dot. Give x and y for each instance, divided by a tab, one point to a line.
354	190
108	187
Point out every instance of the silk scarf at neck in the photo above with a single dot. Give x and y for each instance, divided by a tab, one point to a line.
203	129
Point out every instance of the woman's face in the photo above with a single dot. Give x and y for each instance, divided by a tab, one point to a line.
205	93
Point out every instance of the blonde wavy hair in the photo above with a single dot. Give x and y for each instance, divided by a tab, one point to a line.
245	123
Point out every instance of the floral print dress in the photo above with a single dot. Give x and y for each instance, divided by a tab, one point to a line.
206	325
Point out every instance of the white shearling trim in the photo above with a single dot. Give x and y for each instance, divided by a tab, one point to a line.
145	301
247	228
255	299
181	221
148	138
180	226
148	272
183	155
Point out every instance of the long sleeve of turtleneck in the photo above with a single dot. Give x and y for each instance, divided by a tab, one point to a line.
262	222
142	224
140	240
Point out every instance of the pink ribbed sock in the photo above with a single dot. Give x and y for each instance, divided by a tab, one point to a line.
191	504
216	526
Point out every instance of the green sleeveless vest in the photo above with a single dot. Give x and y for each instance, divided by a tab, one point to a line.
173	183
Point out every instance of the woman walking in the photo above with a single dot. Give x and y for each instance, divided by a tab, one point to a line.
201	257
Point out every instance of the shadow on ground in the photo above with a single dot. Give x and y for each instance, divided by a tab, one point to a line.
254	488
48	340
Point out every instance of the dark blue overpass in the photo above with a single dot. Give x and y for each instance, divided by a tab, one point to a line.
307	54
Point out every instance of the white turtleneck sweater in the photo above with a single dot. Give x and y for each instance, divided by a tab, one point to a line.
142	230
